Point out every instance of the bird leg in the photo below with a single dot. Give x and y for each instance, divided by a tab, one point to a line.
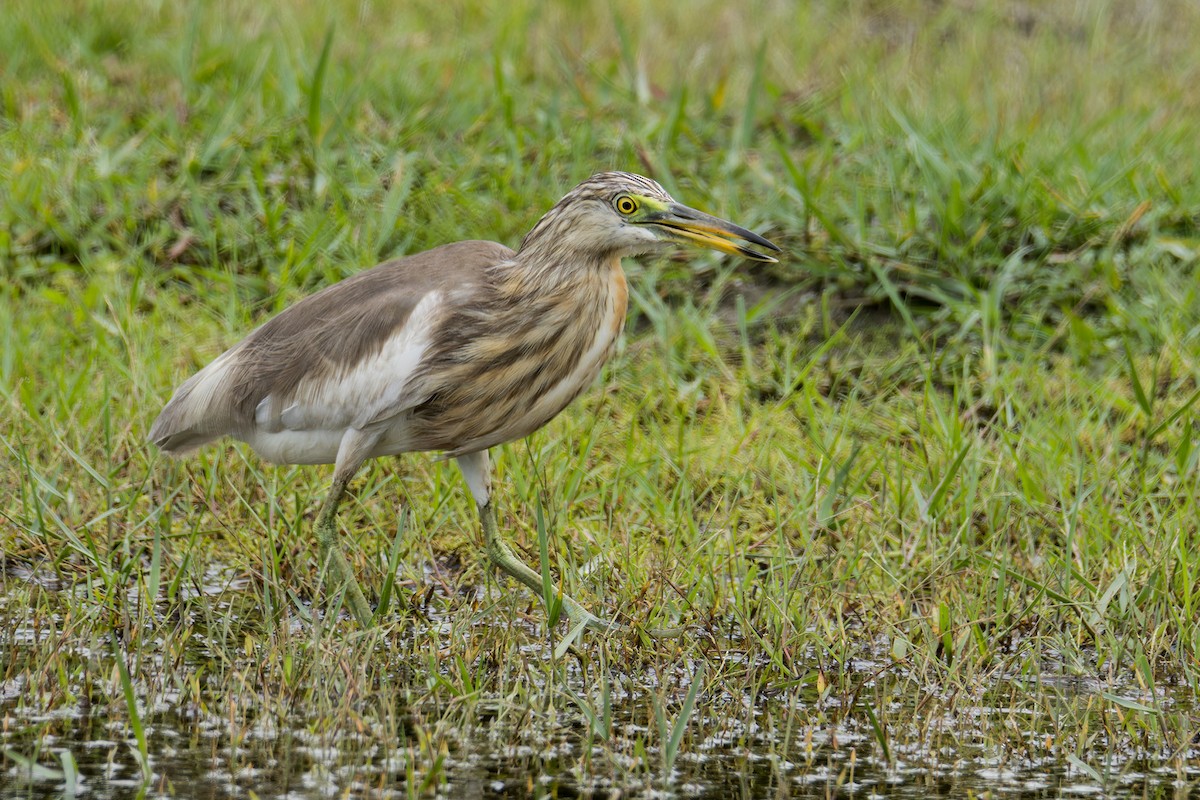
476	468
502	556
338	574
477	471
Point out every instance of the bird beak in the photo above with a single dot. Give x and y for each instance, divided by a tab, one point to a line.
696	227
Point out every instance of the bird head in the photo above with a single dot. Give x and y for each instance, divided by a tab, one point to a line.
618	213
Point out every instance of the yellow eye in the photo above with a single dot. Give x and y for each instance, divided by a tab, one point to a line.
626	204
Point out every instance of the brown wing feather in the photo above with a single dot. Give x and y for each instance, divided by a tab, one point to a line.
317	337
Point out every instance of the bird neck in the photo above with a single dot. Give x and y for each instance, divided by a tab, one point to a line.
570	298
535	270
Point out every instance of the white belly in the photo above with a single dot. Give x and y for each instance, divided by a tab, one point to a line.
296	447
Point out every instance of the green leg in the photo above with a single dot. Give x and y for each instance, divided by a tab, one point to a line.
338	574
476	470
503	557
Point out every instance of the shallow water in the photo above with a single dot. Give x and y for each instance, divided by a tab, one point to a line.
781	743
194	754
192	757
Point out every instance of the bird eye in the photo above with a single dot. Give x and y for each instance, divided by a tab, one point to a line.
625	204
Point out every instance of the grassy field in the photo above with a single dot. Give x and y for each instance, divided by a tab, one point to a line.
924	493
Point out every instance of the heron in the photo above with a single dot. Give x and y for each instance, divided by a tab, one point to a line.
454	350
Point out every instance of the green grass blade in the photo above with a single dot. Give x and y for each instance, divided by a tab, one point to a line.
1125	702
878	729
671	747
550	596
1135	381
939	492
392	565
316	90
33	770
135	717
1174	415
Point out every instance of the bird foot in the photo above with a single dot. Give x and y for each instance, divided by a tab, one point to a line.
581	616
507	561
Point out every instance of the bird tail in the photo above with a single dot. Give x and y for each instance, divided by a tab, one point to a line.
199	412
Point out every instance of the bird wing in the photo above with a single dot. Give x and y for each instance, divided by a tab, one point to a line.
343	357
377	386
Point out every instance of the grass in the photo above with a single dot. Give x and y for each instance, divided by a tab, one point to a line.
926	491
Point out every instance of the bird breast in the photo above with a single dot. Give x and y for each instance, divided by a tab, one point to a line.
604	328
522	364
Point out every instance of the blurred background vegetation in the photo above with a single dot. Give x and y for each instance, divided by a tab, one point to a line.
926	147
